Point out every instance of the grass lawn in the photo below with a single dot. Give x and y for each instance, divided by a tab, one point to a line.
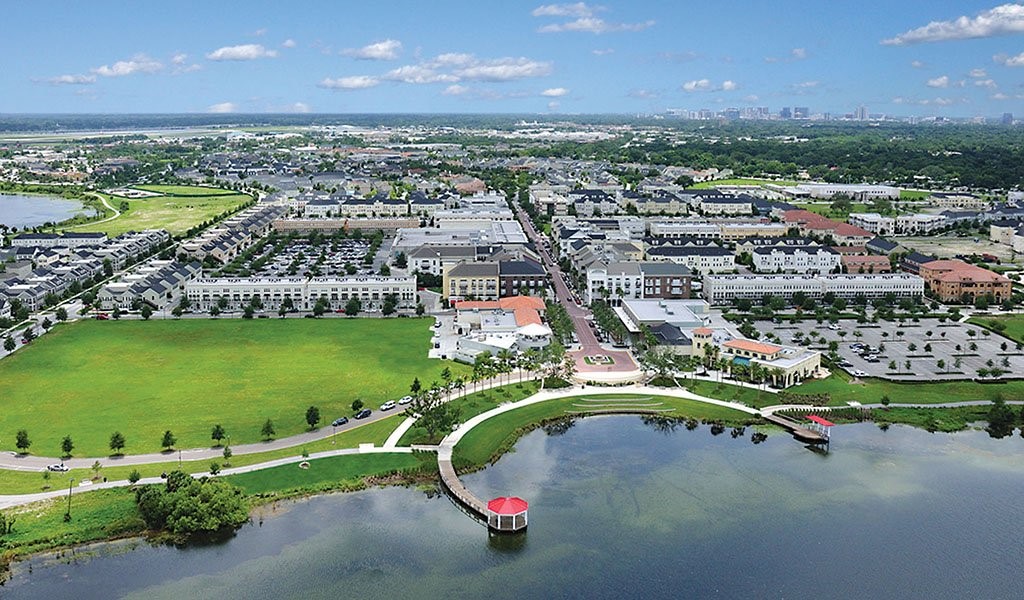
188	207
499	433
336	472
731	393
1014	325
914	194
185	190
94	516
27	482
474	404
742	181
91	378
871	391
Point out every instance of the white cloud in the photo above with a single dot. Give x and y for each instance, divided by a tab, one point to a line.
697	85
140	63
927	101
917	64
418	74
503	69
553	105
1009	61
1001	20
798	53
679	57
288	43
594	25
642	94
355	82
806	85
455	90
299	107
579	9
383	50
706	85
1000	96
223	107
69	80
452	59
179	58
939	82
555	92
260	32
978	73
241	52
751	98
986	83
602	51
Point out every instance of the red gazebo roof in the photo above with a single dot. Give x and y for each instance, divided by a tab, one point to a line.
820	421
507	505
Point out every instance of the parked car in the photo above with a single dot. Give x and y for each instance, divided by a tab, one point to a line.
363	413
388	405
101	317
405	400
59	468
859	373
339	421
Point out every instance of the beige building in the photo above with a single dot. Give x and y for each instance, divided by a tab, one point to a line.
467	280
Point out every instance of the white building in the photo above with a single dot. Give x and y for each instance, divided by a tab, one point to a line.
370	290
723	289
700	259
918	224
873	222
616	281
795	259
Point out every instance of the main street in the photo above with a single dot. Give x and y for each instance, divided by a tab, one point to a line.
580	315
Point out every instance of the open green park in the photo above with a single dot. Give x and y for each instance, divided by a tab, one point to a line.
1011	326
177	209
89	379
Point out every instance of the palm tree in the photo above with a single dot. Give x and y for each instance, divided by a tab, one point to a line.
505	360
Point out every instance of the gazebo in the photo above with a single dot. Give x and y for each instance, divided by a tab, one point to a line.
822	426
507	513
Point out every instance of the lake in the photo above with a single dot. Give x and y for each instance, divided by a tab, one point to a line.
619	509
29	211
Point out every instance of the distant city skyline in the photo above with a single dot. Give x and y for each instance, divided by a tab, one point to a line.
963	59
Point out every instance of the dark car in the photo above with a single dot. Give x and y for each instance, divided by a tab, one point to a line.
339	421
363	413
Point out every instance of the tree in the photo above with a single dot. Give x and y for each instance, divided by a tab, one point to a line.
941	364
401	261
214	468
227	456
886	400
267	431
168	440
134	476
416	385
10	344
46	324
177	312
61	314
357	405
116	313
116	442
906	365
312	416
217	434
214	311
433	414
353	306
420	309
247	312
108	268
1000	419
892	365
186	506
146	312
66	445
21	441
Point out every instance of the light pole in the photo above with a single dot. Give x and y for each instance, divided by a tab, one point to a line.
67	515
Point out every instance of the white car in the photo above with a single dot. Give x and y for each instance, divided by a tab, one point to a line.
405	400
859	373
59	468
388	405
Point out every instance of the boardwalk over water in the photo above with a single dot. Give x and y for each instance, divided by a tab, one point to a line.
800	432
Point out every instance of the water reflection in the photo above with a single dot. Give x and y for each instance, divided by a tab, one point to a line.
621	507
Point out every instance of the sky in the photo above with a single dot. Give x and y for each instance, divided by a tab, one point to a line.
908	57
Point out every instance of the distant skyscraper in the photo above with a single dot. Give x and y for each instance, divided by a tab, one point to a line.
732	114
862	113
801	112
785	113
1007	119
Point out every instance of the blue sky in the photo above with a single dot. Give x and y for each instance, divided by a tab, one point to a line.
932	57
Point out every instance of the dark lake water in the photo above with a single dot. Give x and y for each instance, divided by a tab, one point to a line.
620	510
30	211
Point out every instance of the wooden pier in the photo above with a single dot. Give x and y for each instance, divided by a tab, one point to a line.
501	521
799	431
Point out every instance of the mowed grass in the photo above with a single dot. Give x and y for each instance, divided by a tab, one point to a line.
91	378
871	391
28	482
336	472
499	433
177	213
474	404
1014	325
185	190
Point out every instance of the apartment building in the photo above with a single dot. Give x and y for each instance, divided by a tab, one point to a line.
723	289
795	259
303	292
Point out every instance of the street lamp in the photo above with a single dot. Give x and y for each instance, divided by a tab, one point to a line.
67	515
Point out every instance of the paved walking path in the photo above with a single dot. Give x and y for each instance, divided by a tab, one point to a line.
19	462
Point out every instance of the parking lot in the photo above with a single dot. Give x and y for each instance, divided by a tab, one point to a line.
300	257
890	346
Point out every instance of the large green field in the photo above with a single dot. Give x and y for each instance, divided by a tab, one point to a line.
92	378
1014	325
871	391
178	210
